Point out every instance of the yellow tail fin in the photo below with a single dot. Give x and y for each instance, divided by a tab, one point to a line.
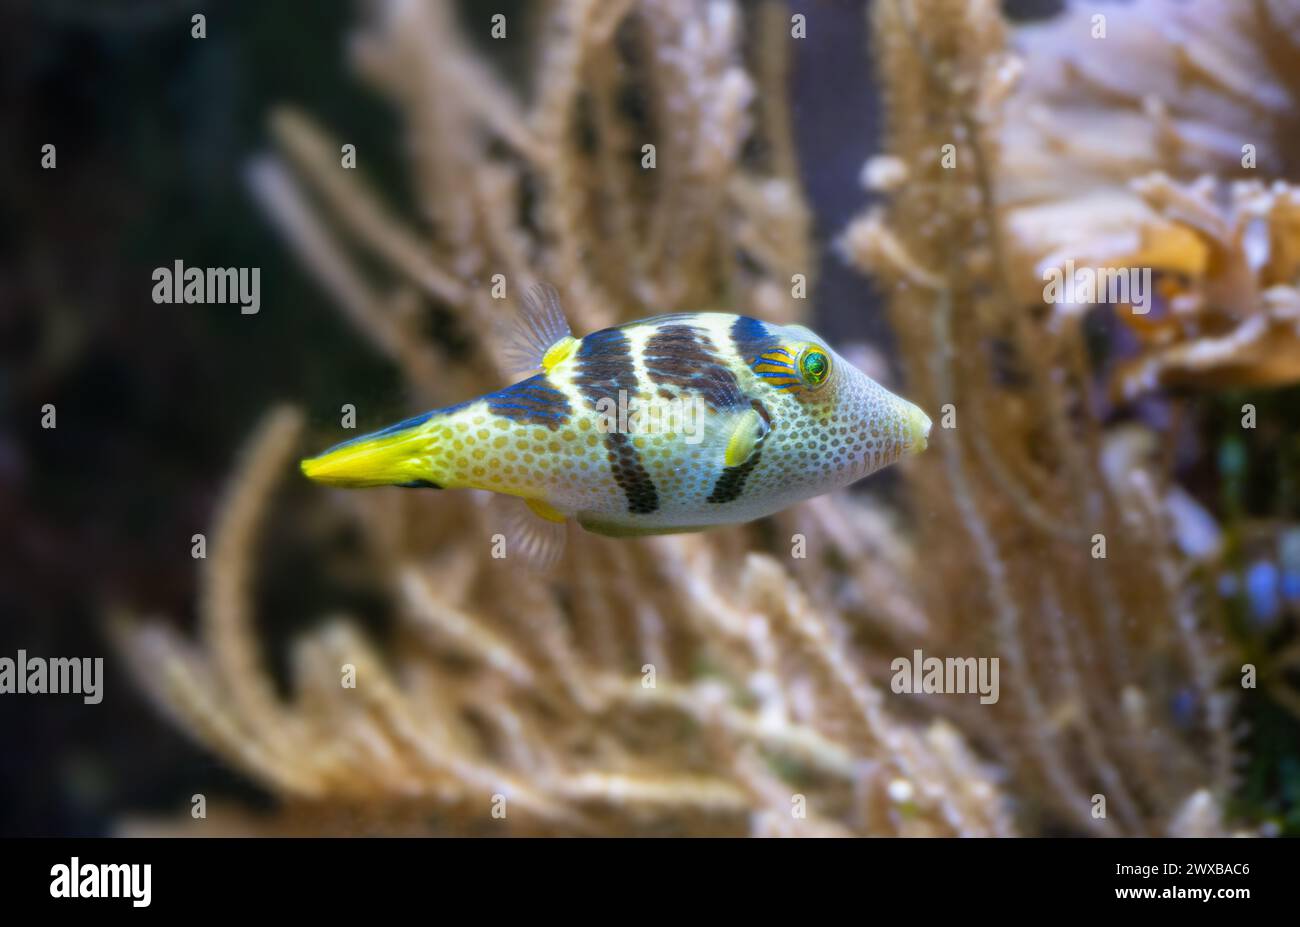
396	456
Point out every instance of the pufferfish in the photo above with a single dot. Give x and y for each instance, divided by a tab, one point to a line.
670	424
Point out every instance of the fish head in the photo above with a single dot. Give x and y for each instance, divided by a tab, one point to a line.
831	414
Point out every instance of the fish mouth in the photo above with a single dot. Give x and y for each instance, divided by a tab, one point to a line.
918	430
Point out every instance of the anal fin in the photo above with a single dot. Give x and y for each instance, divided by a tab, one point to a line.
542	510
534	532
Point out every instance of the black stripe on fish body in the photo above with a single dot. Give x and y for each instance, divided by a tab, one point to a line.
630	475
684	357
533	401
750	337
605	365
731	482
604	369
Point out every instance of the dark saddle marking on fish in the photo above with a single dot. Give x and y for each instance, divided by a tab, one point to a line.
731	482
750	337
606	368
533	401
630	474
684	357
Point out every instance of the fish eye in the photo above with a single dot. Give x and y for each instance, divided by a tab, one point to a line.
814	366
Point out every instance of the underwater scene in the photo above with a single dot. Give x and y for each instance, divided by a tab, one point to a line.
650	418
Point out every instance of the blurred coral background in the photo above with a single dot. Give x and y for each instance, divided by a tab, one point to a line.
776	157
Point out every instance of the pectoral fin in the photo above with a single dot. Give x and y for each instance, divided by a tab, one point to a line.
747	432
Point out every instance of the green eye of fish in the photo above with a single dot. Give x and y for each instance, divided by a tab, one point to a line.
814	367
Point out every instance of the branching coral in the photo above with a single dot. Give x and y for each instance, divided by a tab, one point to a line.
679	685
1064	564
1159	134
714	683
585	719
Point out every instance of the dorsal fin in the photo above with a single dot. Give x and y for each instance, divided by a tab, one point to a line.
538	329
